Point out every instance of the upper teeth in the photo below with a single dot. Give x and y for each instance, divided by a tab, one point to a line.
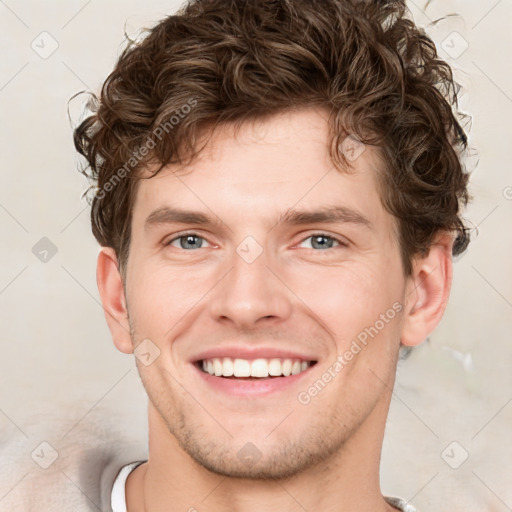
227	367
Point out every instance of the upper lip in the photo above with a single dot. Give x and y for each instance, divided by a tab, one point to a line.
251	353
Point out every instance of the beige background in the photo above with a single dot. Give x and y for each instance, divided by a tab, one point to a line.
62	381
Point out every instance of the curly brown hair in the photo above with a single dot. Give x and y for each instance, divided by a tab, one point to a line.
219	61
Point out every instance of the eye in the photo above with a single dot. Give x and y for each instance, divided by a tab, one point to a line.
187	241
323	241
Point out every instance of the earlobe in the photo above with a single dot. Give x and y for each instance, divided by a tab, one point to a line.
110	286
428	291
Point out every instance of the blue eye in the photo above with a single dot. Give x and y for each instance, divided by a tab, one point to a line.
187	240
320	241
323	241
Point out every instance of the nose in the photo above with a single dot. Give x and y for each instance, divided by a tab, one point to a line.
251	292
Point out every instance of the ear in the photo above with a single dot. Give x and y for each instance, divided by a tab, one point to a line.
428	290
110	286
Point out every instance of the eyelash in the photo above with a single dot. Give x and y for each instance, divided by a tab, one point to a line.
325	235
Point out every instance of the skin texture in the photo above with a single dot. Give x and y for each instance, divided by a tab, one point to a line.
323	455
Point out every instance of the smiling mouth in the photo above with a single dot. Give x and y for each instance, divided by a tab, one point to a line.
255	369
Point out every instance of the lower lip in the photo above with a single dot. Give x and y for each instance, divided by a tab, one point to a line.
251	388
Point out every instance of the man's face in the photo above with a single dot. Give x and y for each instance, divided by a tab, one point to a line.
253	283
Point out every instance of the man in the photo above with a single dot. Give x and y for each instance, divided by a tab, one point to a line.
278	196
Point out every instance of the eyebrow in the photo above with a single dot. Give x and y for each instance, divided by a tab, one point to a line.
331	215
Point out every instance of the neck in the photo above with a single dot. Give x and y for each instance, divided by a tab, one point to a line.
345	481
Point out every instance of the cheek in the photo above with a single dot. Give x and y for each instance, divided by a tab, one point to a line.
347	299
160	296
335	288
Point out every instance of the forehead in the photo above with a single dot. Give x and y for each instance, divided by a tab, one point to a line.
264	170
